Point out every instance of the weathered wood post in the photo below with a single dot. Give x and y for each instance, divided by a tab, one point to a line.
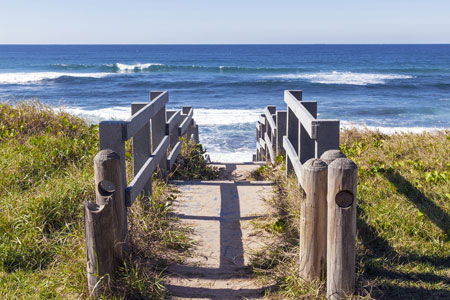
158	130
99	241
281	131
330	155
313	220
105	241
341	229
111	137
141	149
306	145
196	137
108	167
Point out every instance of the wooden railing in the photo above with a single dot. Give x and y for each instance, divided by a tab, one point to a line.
155	132
328	214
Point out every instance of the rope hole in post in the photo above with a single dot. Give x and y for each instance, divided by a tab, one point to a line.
344	199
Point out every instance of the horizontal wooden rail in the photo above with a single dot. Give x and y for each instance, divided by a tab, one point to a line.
269	147
329	182
269	118
290	152
173	121
145	173
154	130
187	121
174	154
138	120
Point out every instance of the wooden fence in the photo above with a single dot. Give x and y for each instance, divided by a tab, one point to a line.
329	179
156	145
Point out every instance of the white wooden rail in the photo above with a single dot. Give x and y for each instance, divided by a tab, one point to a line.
328	214
156	145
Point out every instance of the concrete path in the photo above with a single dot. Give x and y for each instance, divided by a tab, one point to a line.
220	212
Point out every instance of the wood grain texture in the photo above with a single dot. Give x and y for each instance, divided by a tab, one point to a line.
341	229
313	220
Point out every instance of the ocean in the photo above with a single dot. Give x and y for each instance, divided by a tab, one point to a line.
390	87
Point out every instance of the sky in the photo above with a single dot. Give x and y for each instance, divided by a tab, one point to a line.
224	22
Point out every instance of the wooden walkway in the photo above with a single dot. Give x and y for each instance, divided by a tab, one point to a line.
220	212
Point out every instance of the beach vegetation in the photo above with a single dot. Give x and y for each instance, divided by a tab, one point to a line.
46	163
403	220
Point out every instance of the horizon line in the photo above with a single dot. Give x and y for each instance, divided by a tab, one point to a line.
207	44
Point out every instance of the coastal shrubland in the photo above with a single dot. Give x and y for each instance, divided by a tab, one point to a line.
46	163
403	223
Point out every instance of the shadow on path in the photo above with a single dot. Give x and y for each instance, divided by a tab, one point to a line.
231	261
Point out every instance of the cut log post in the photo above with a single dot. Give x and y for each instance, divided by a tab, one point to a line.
341	229
100	239
107	166
330	155
313	221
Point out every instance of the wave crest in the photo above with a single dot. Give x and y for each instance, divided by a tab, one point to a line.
24	78
337	77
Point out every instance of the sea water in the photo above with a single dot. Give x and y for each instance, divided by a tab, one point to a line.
390	87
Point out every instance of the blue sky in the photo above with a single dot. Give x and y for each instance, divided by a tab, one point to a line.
244	21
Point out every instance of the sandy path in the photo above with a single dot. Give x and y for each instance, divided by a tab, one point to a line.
219	212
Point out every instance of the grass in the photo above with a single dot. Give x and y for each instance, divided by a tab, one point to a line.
403	224
46	158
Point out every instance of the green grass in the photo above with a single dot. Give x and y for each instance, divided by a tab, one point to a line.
46	158
403	225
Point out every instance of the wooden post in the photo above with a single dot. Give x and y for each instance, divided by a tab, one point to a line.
330	155
341	229
107	167
158	129
111	138
196	137
306	145
313	220
281	131
327	136
141	149
99	246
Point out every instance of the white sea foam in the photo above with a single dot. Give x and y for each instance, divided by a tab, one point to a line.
225	157
96	115
337	77
135	67
203	117
213	117
23	78
389	130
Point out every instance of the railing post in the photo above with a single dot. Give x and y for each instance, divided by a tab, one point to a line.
141	148
281	131
292	128
111	137
330	155
341	229
196	136
158	129
105	243
327	136
99	242
313	220
306	144
257	142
